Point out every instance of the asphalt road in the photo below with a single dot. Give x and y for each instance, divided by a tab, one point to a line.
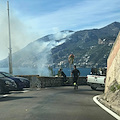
60	103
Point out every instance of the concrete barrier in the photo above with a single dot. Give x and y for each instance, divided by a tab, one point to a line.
37	81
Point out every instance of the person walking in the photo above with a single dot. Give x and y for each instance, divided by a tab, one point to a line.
75	73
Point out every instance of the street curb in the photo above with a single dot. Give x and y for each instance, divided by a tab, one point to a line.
105	108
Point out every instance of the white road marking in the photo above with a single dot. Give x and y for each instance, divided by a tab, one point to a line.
105	108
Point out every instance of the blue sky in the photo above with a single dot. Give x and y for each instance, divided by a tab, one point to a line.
32	19
47	16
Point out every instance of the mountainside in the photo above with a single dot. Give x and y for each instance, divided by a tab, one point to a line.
90	47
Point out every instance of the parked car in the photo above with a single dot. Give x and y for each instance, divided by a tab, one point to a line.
6	84
97	78
96	81
20	84
25	81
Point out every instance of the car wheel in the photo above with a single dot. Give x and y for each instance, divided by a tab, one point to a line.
93	87
20	89
1	90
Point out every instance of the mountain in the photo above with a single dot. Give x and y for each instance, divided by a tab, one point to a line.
90	47
38	53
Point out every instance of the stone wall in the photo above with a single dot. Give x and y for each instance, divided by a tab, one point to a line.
37	81
113	64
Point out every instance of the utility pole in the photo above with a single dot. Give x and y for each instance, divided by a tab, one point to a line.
10	49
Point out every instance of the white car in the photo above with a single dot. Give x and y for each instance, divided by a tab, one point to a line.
96	81
97	78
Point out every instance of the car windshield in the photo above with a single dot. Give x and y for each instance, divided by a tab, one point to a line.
7	74
48	51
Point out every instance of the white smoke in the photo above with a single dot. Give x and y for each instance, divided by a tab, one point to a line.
38	53
44	48
60	37
20	33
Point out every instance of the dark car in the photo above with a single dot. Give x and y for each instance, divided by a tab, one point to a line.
6	84
20	84
23	82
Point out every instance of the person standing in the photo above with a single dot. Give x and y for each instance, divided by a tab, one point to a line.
75	73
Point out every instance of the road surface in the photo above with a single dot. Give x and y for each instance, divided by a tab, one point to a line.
59	103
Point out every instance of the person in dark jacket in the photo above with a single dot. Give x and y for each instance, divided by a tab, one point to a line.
62	74
75	73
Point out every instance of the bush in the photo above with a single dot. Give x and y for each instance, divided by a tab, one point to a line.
115	87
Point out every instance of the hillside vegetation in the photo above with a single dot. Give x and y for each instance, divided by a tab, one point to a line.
90	47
